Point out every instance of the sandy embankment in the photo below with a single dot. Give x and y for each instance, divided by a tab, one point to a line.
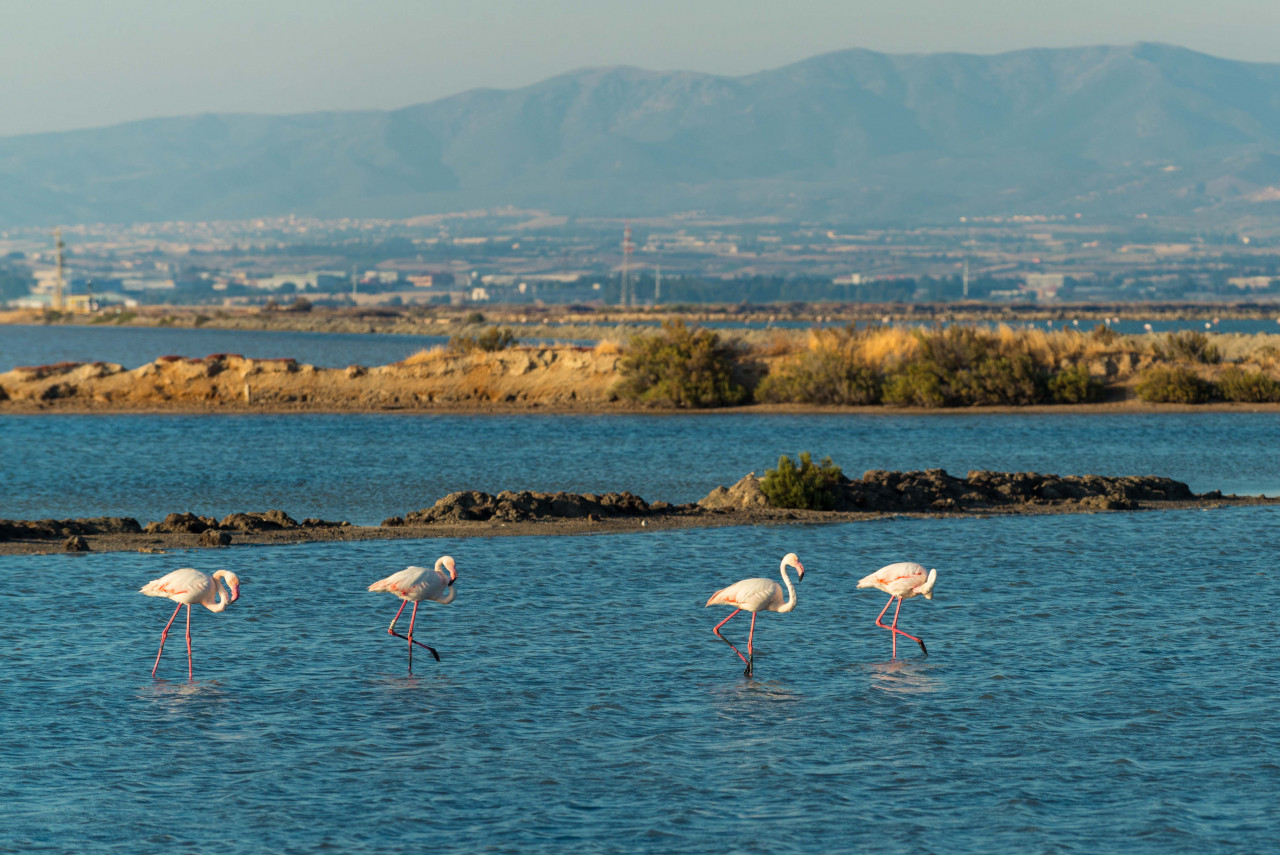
557	378
563	377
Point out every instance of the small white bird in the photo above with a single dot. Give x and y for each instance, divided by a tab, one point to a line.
188	586
415	584
901	581
756	595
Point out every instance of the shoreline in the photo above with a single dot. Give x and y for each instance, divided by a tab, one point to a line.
680	518
1121	407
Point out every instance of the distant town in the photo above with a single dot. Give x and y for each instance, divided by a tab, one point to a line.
528	257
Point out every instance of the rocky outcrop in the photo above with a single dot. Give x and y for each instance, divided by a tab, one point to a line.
935	490
744	494
508	506
49	529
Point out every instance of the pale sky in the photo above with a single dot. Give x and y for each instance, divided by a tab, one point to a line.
67	64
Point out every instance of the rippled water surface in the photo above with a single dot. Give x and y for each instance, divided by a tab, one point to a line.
1103	683
365	468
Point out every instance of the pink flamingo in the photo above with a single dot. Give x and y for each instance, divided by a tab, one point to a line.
188	586
901	581
757	595
415	584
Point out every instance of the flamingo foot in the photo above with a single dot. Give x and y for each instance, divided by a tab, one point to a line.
923	649
428	648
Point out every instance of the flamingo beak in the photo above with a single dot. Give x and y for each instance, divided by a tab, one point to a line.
799	572
235	593
453	577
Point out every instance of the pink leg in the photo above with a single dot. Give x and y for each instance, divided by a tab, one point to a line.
163	636
893	629
190	669
727	641
907	634
751	654
409	638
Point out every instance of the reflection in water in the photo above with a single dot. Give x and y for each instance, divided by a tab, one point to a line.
904	676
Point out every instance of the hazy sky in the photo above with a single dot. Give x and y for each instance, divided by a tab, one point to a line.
68	64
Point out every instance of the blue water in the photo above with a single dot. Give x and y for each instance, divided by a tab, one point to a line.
1095	683
366	468
1092	686
136	346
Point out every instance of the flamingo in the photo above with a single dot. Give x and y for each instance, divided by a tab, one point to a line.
415	584
901	581
757	595
188	586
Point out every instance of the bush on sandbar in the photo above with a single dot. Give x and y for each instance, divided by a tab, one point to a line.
680	367
1174	385
1252	387
812	486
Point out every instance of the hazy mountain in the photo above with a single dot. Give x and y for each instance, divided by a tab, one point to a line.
852	136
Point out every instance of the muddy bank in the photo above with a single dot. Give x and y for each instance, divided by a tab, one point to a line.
878	493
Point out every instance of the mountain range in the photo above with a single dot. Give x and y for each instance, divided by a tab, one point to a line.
853	137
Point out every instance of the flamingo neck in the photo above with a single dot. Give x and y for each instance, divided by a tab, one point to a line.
224	597
791	592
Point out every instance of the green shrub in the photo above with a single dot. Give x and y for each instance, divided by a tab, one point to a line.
915	386
813	486
1176	385
821	377
961	366
1188	346
1074	386
491	340
1252	387
680	367
999	380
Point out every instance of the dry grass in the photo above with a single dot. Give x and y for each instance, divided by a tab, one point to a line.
423	357
608	347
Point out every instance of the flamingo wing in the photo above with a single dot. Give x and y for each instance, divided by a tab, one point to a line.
750	594
186	585
897	580
414	584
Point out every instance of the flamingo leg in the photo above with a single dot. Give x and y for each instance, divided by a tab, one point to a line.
727	641
190	667
893	629
163	635
409	638
751	653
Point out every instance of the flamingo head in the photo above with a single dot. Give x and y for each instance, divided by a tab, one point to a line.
232	580
793	560
446	561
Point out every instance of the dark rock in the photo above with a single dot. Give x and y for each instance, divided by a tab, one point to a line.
393	522
75	543
312	522
510	506
213	537
182	523
250	522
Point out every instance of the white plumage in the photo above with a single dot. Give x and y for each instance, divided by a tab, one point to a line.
187	587
757	595
904	579
415	584
901	581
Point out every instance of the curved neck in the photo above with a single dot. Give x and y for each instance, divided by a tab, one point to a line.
453	592
791	591
224	598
